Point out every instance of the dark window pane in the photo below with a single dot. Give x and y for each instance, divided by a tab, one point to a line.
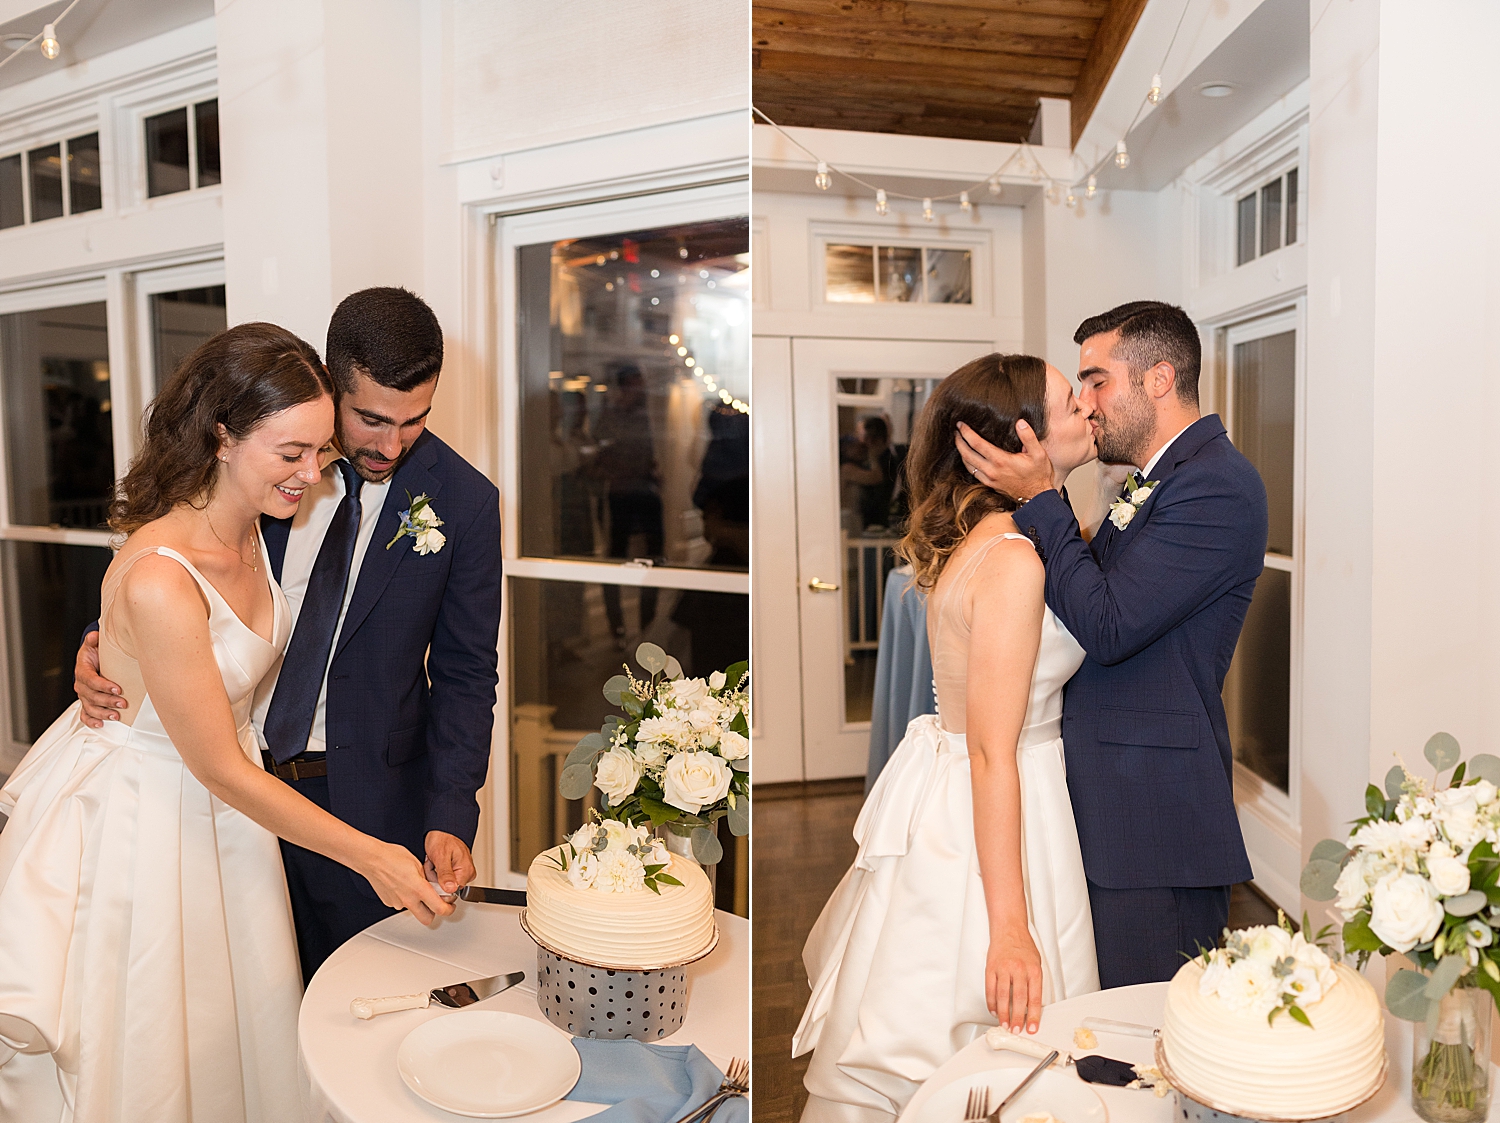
563	650
59	444
12	207
1291	206
1257	691
950	277
46	182
1265	379
1244	212
84	192
1270	217
206	114
180	321
167	153
849	274
900	274
52	593
634	353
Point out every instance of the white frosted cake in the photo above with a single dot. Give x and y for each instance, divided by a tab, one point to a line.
593	905
1220	1045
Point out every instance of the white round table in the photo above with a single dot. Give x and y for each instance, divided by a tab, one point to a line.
1144	1005
348	1067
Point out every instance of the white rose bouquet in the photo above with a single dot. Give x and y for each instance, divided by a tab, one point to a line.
679	757
613	857
1267	971
1420	876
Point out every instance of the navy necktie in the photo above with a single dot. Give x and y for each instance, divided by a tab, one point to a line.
290	716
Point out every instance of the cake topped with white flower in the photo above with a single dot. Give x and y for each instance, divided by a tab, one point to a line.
613	896
1269	1027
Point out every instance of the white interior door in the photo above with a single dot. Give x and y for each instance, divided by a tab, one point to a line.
842	546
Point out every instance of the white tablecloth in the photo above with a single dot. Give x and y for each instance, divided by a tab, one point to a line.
1144	1005
348	1067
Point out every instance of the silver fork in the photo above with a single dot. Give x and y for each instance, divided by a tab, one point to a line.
736	1082
978	1106
977	1110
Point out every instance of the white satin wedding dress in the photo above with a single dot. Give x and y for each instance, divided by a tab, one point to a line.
897	958
148	964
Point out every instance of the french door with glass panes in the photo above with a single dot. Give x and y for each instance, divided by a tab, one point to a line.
853	405
71	394
626	412
1260	398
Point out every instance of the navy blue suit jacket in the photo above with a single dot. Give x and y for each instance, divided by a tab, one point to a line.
411	689
1158	608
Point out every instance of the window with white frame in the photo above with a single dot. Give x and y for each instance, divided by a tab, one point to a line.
50	181
628	413
870	273
182	148
1265	218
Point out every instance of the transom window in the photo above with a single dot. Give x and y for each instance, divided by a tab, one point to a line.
877	274
1266	218
50	181
182	149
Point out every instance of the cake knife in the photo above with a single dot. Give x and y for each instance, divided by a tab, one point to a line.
455	995
489	896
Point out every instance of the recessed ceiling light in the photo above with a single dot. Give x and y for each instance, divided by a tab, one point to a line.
15	42
1216	89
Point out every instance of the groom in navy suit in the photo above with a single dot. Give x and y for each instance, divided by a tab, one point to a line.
383	706
1157	601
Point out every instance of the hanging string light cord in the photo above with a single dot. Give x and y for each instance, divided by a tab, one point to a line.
45	36
1022	155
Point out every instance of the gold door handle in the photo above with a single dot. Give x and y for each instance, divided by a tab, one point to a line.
819	586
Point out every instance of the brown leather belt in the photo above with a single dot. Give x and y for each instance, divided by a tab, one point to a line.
303	767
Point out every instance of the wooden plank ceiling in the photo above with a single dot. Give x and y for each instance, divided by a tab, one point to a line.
971	69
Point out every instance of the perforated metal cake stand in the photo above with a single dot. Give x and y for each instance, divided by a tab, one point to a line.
612	1000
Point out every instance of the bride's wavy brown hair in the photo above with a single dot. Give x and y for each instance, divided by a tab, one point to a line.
989	395
237	379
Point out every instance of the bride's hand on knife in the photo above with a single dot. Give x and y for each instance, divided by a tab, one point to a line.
400	882
1013	978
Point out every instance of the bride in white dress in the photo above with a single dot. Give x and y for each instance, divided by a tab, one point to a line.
967	904
148	966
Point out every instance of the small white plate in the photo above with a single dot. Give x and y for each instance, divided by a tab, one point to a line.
488	1064
1068	1098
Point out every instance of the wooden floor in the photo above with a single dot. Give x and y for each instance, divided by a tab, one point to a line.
803	845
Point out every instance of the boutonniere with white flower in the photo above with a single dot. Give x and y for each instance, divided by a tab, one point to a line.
420	522
1123	509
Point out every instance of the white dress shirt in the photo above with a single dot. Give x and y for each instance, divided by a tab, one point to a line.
1145	472
309	526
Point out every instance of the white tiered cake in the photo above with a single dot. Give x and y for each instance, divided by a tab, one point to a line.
1219	1046
607	917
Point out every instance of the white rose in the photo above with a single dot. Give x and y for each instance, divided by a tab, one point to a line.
1353	885
617	775
583	837
693	780
620	834
1269	942
658	855
1484	793
1249	986
620	872
733	746
583	869
1140	495
649	753
1405	911
1121	512
425	516
688	693
1417	832
1450	877
430	540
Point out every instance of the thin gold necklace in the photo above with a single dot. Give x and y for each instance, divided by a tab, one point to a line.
254	546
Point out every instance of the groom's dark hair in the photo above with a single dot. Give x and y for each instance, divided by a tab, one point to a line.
1152	332
388	334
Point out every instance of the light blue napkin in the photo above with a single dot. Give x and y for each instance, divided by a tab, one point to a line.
649	1083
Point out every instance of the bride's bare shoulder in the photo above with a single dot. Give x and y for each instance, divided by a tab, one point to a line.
149	580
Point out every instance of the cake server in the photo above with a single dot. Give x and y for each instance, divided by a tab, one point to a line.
455	995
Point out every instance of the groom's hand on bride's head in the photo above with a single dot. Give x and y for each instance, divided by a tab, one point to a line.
100	699
1021	475
451	864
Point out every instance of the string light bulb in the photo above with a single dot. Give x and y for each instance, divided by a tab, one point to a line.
1051	192
1122	156
50	47
963	201
1072	200
1153	95
1093	187
927	209
881	206
995	187
823	179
